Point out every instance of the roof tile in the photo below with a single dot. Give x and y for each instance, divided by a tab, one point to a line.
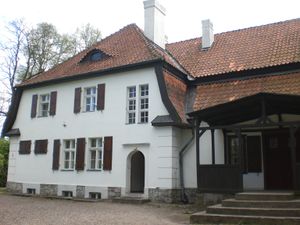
210	95
245	49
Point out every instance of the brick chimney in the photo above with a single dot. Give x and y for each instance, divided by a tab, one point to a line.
207	34
154	22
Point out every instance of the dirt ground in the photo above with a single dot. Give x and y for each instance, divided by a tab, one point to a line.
16	210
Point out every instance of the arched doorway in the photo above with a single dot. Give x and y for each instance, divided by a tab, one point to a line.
137	173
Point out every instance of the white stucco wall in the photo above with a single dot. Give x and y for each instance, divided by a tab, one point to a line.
157	144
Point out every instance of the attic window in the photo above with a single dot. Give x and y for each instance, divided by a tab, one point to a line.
94	56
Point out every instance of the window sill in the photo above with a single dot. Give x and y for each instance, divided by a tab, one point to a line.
67	170
94	170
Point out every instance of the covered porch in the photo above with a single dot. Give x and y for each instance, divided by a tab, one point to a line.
261	143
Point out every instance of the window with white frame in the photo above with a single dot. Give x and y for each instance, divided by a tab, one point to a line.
44	104
131	104
95	153
144	103
90	103
69	154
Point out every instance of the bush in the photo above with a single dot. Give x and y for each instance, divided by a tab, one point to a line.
4	150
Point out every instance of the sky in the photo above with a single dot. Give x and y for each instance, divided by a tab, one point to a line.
183	18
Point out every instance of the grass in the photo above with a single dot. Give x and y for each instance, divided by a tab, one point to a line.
2	190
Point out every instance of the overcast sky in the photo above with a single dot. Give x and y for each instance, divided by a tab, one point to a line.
183	20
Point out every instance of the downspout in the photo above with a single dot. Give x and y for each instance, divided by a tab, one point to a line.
184	197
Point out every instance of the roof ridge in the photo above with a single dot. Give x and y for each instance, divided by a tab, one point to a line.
238	30
149	43
153	49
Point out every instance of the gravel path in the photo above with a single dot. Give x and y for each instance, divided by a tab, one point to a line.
15	210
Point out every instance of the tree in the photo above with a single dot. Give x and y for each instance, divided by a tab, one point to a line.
86	36
10	64
4	150
29	51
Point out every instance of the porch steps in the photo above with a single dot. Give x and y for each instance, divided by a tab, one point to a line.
253	208
265	196
261	204
131	200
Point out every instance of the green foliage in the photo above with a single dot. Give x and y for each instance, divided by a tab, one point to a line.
4	151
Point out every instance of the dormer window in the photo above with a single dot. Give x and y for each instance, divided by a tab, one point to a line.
94	55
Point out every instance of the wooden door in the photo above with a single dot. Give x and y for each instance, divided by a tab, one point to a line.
277	158
137	178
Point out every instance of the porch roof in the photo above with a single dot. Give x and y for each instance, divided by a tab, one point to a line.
248	108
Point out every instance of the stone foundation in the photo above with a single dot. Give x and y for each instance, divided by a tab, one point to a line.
48	190
14	187
114	192
212	198
80	190
164	195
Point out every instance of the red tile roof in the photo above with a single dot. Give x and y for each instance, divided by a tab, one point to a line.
176	90
125	47
210	95
245	49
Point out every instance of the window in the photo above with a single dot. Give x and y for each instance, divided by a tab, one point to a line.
144	103
69	154
90	99
96	56
95	195
24	147
44	105
67	194
31	191
40	146
95	153
131	104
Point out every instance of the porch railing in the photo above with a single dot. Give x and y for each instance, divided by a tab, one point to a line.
220	178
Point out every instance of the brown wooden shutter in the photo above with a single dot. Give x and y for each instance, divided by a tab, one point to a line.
34	105
53	98
24	147
80	153
40	146
56	148
108	144
101	96
77	100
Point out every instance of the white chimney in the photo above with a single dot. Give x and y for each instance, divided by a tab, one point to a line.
207	34
154	22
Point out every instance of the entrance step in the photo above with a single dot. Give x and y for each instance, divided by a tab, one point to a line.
261	204
262	196
287	212
206	218
131	200
266	208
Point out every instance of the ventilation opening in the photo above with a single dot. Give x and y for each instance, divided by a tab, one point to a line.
31	191
95	195
67	194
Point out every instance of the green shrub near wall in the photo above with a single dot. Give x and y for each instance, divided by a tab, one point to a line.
4	149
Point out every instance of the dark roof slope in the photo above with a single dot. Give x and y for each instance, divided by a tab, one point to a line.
125	47
245	49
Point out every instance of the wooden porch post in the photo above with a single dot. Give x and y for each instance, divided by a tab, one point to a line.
293	155
213	146
241	156
197	150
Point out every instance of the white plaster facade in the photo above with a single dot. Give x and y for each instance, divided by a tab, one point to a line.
159	145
